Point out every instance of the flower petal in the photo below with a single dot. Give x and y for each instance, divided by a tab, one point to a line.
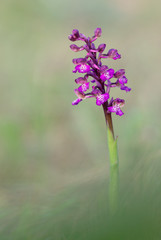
107	75
100	99
112	109
119	112
122	80
81	80
119	73
82	68
125	88
84	87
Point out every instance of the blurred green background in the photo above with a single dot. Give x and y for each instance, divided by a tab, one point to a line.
54	167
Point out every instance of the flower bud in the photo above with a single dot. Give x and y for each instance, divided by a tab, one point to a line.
81	80
119	73
77	61
75	48
101	47
75	33
98	32
113	53
72	38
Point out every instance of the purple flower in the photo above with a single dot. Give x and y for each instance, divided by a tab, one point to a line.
122	80
82	68
102	98
116	104
119	73
75	48
107	75
84	87
120	83
113	53
101	74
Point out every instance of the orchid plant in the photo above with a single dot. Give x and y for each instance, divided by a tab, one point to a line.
102	79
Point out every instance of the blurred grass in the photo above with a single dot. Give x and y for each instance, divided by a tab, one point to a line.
53	157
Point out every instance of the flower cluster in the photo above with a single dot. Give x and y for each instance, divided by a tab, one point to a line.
103	77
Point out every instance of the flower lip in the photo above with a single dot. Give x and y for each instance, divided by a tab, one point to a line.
82	68
116	105
122	80
102	98
84	87
107	75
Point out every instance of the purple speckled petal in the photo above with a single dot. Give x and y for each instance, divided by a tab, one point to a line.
82	68
107	75
122	80
102	98
75	102
116	104
84	87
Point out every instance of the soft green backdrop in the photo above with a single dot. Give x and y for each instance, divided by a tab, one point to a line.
53	156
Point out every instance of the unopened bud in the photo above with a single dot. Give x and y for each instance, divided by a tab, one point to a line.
98	32
101	47
75	33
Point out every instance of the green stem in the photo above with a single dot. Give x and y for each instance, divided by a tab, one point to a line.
114	163
114	172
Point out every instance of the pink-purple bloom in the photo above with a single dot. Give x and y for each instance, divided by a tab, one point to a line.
116	104
107	75
102	98
103	77
82	68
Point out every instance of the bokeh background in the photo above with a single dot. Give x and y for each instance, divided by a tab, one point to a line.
54	166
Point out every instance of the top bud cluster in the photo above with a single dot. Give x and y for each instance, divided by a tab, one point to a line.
103	77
